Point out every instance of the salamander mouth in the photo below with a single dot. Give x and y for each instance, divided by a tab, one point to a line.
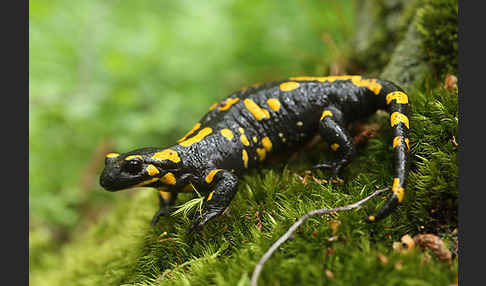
112	181
109	182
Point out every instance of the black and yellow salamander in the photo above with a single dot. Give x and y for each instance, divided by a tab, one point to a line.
246	128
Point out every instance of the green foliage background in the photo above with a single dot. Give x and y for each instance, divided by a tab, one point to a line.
118	75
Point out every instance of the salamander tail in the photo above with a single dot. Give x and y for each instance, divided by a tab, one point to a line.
398	106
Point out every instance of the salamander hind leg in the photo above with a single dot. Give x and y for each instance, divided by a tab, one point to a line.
333	131
222	185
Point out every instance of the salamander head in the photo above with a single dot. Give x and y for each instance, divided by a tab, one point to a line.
141	167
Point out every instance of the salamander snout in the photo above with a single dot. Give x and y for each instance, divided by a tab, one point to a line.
108	180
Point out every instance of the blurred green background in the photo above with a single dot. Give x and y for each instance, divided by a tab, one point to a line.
119	75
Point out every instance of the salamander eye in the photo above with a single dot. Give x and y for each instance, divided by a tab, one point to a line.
133	166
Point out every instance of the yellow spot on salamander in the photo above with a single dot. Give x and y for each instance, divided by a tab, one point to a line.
210	196
326	113
198	137
308	78
342	77
325	78
274	104
334	146
288	86
228	103
133	156
146	182
261	153
255	139
371	218
227	133
152	170
196	127
398	141
241	130
213	106
112	155
167	154
165	195
244	140
300	123
371	84
398	117
267	114
397	190
244	157
399	97
267	144
210	176
256	110
168	179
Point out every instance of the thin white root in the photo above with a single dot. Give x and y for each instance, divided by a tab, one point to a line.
286	236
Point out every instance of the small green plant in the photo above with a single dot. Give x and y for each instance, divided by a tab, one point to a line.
188	206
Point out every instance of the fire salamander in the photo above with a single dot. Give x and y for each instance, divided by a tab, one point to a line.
243	130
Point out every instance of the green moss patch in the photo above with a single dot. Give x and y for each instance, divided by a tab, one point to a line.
438	25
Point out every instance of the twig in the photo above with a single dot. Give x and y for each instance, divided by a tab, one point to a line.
286	236
173	245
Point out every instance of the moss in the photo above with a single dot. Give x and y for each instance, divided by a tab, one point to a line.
438	25
106	254
434	175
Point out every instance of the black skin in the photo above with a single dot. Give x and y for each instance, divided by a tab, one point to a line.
299	118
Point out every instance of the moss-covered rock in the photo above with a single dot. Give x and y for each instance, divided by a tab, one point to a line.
408	64
106	254
380	26
438	25
402	40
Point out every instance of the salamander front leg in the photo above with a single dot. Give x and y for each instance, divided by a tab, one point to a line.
223	185
333	131
166	200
